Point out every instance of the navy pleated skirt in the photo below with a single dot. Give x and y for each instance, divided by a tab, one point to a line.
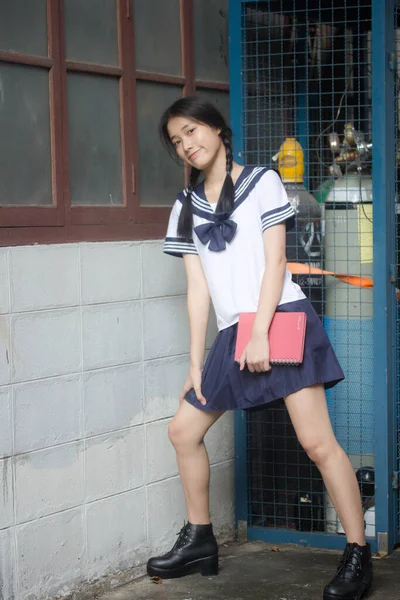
225	387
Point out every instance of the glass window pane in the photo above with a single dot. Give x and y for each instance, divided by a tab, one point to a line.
94	139
218	98
158	36
25	136
211	40
160	178
91	31
23	26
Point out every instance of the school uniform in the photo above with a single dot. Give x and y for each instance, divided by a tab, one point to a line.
231	250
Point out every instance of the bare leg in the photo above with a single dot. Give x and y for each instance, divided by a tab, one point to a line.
310	418
186	432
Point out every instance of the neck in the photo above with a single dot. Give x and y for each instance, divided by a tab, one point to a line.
215	173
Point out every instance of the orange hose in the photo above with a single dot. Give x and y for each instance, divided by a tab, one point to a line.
302	269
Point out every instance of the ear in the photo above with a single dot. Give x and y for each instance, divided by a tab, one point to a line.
219	131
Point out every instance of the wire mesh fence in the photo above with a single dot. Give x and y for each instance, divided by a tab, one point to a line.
307	112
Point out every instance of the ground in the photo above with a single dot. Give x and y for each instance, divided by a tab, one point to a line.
257	571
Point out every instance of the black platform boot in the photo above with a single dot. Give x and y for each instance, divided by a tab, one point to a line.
354	575
195	549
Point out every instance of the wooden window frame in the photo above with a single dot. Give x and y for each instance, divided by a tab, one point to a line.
61	222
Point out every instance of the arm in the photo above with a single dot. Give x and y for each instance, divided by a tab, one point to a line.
198	302
272	283
256	354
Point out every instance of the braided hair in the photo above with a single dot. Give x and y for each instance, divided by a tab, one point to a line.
203	112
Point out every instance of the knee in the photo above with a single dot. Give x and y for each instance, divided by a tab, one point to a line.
180	435
175	432
319	450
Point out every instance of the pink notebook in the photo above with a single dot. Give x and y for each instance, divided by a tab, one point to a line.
286	337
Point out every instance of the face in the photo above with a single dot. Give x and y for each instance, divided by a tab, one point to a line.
195	143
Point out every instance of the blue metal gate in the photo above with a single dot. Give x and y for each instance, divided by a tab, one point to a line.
395	68
319	80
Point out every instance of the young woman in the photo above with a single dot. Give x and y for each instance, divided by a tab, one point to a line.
230	230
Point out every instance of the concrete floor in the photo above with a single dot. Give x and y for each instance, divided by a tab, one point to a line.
256	571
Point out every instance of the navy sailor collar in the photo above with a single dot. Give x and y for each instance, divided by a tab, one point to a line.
243	186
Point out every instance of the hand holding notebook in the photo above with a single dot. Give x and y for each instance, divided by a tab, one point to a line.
286	337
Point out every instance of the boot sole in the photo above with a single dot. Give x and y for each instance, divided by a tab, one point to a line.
334	597
207	566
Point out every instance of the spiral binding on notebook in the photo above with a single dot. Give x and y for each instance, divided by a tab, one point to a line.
285	361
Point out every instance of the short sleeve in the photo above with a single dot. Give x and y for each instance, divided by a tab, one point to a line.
173	244
273	202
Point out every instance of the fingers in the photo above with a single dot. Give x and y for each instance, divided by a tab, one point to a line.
186	387
267	365
199	395
193	382
257	366
202	400
263	366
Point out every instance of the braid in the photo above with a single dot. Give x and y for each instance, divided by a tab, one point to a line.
227	140
185	223
227	196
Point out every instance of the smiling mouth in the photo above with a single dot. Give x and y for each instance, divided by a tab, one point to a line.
194	154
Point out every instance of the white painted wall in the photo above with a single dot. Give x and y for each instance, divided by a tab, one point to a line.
93	353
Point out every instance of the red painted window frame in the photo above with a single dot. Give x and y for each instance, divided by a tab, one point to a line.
61	222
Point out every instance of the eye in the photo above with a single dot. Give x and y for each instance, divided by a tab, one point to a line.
176	143
191	130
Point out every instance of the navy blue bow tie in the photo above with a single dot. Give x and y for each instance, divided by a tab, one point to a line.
217	232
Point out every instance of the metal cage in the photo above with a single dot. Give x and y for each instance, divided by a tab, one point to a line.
314	94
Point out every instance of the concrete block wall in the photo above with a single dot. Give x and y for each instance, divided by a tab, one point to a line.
93	353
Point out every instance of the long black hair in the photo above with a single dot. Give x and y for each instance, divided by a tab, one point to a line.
203	112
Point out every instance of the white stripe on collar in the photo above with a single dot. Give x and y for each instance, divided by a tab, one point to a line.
245	184
204	204
199	202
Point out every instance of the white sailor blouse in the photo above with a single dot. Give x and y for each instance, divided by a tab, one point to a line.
230	245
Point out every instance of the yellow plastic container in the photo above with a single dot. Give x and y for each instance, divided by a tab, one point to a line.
291	161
